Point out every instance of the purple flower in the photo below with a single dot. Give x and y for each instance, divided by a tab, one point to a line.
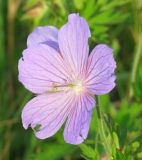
58	68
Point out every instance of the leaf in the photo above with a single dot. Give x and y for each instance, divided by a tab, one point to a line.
37	127
88	151
79	4
98	29
139	155
116	140
109	18
53	151
114	4
89	9
120	156
135	145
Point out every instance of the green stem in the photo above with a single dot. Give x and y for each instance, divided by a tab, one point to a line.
101	128
135	64
138	50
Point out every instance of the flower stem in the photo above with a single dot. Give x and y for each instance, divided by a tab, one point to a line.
135	65
101	128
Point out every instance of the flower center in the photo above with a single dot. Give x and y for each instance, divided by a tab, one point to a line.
78	87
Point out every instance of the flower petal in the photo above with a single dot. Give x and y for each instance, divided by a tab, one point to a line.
100	74
40	68
48	111
73	43
78	123
46	34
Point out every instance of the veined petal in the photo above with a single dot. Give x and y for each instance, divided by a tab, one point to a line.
73	43
77	126
46	34
40	68
100	75
48	111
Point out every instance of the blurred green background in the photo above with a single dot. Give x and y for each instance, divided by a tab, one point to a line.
114	22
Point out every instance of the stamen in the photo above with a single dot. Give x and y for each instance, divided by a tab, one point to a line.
77	86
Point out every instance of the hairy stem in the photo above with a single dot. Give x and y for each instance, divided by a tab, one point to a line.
101	128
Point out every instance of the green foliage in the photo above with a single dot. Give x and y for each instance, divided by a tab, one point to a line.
88	152
138	85
115	22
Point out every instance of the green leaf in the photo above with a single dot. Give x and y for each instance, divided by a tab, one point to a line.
139	155
116	140
135	145
120	156
79	4
88	151
89	9
37	127
113	4
109	18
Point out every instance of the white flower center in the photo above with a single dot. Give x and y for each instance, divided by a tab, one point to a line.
78	87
